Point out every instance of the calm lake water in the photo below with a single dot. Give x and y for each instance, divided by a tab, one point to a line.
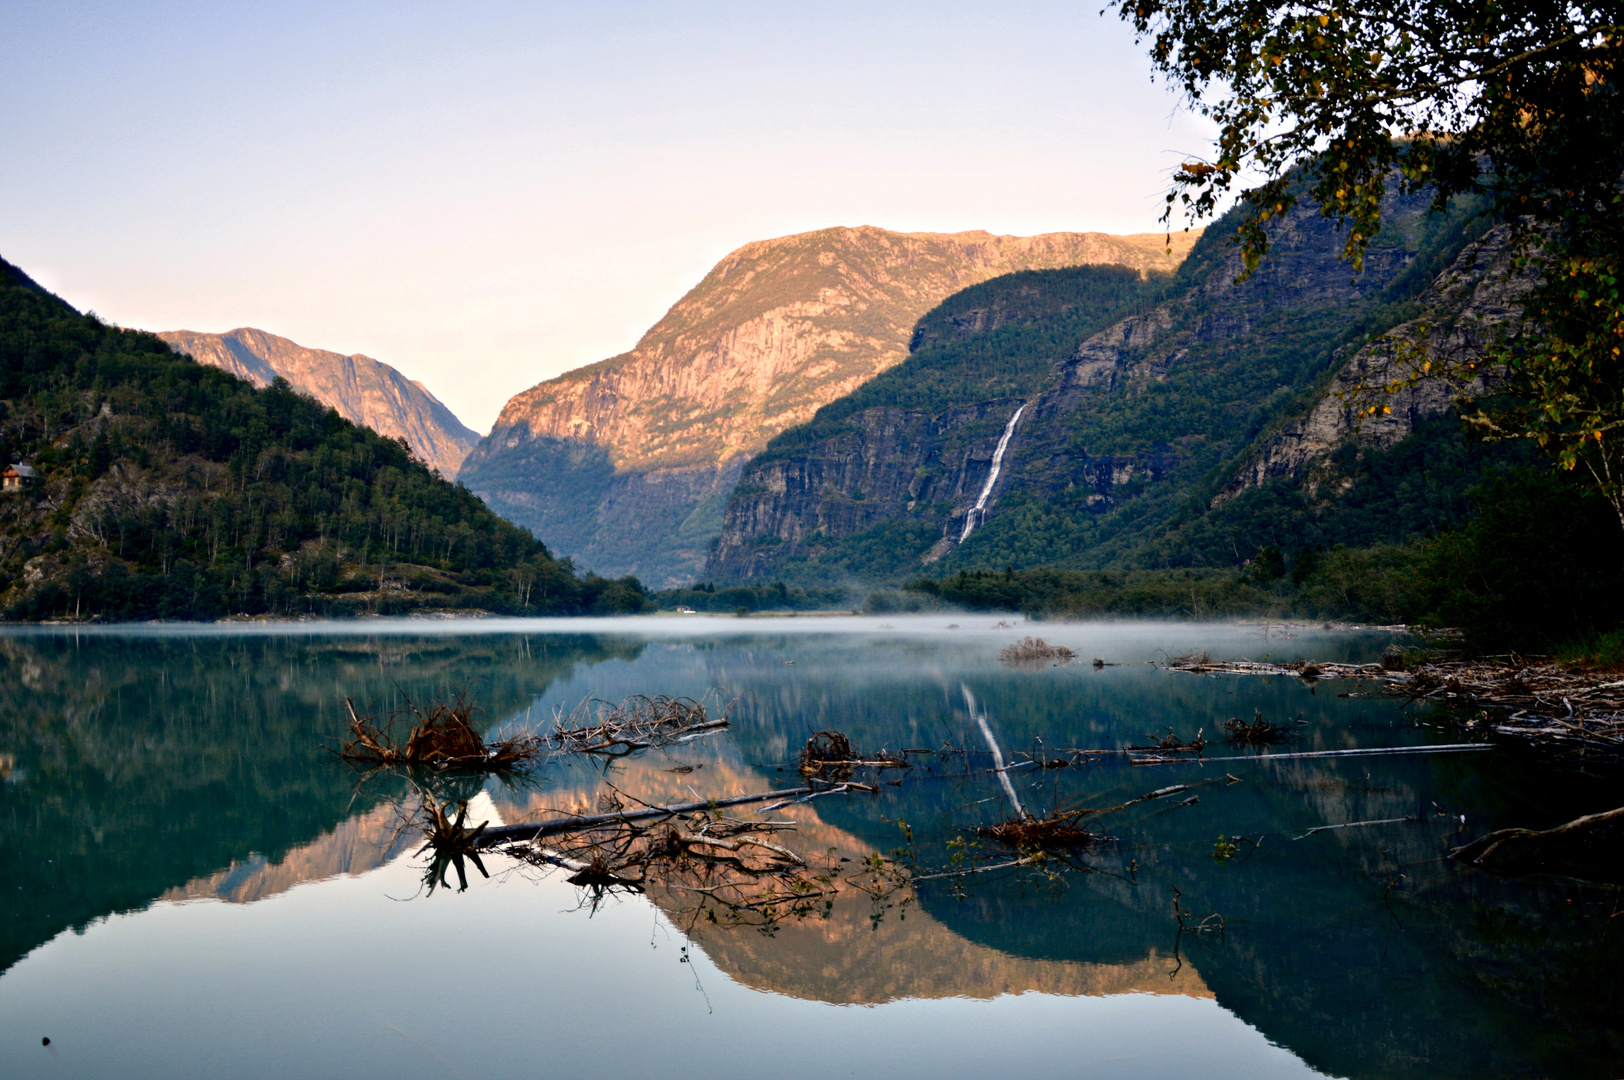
193	888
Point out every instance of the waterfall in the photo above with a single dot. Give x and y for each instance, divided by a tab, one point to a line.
973	518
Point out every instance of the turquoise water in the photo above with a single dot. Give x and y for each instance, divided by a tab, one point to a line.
195	889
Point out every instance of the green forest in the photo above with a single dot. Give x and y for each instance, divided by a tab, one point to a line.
168	489
1533	566
1039	315
1440	529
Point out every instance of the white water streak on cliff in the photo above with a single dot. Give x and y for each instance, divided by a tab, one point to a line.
974	516
992	743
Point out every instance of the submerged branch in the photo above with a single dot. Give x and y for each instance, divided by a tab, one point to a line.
1588	847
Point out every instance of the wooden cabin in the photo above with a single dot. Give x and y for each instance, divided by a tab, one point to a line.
19	476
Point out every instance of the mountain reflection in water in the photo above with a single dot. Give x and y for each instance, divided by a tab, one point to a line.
184	767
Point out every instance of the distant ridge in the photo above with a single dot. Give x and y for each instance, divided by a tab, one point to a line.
163	488
363	390
625	464
1191	427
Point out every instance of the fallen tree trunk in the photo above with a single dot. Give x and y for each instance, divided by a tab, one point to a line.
1590	847
1556	706
511	834
1366	751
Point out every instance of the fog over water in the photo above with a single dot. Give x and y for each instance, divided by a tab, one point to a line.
197	889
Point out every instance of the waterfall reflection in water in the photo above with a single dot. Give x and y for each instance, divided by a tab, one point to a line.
184	768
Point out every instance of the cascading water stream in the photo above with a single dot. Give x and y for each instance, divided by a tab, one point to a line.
973	518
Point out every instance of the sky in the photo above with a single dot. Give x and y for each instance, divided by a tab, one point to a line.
486	195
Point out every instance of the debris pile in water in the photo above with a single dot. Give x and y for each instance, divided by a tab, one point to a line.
1258	731
1030	649
829	755
1033	834
1565	708
439	737
637	723
1172	744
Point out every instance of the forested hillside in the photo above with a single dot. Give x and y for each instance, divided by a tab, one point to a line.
1197	446
1140	405
168	489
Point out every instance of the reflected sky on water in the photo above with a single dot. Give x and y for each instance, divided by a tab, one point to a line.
196	889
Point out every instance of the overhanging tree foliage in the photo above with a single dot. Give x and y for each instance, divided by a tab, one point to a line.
1515	100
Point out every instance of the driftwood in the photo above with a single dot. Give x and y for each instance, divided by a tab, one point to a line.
961	872
719	869
439	737
1061	830
1159	793
831	756
1590	847
511	834
1370	751
1547	703
1258	731
444	737
1355	825
1203	664
1172	744
1029	834
1551	705
849	785
637	723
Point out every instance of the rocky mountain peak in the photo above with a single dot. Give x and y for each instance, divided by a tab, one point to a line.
776	330
363	390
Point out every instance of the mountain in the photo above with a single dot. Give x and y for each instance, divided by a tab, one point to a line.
1476	300
363	390
167	488
625	465
1020	436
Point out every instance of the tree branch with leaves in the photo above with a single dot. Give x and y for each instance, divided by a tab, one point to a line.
1515	102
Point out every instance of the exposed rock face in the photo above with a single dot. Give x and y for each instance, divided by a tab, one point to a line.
363	390
1469	307
1156	397
778	329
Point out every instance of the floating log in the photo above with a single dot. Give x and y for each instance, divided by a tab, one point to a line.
511	834
1581	709
1372	751
1308	669
1355	825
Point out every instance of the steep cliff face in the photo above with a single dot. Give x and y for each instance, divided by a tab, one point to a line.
363	390
1474	303
776	330
1117	437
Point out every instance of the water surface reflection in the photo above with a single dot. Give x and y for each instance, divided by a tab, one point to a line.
182	769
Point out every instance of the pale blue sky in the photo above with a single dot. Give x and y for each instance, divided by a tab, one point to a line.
487	194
